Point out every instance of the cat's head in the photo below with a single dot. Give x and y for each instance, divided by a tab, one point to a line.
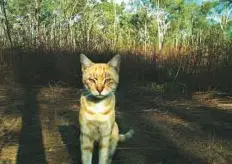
100	79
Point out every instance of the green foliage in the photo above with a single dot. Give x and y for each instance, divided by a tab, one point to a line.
89	25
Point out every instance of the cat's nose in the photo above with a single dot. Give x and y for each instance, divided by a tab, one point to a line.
100	89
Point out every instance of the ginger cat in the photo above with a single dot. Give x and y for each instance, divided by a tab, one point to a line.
97	110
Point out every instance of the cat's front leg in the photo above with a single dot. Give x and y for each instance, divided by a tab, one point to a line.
104	150
87	145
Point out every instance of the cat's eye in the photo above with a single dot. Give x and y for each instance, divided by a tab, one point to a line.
91	80
107	80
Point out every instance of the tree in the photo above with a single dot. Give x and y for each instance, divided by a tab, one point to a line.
5	21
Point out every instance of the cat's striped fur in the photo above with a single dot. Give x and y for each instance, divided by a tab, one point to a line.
97	110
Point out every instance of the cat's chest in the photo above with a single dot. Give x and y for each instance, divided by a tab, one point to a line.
100	112
99	107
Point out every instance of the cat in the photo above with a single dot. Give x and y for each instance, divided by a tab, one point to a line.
97	110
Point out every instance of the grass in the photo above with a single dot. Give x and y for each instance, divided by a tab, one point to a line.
174	125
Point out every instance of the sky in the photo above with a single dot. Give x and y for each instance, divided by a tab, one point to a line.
119	1
196	1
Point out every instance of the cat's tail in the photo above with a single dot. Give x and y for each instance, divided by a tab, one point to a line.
128	135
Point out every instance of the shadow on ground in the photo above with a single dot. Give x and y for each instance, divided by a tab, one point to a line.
168	130
31	145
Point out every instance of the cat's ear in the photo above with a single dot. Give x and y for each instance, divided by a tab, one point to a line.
85	62
115	62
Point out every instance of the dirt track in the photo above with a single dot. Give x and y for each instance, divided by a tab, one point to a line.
40	126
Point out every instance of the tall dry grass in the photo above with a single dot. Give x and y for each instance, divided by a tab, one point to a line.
200	69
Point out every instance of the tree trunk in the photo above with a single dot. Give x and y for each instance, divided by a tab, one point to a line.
145	31
159	39
37	21
115	24
6	23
